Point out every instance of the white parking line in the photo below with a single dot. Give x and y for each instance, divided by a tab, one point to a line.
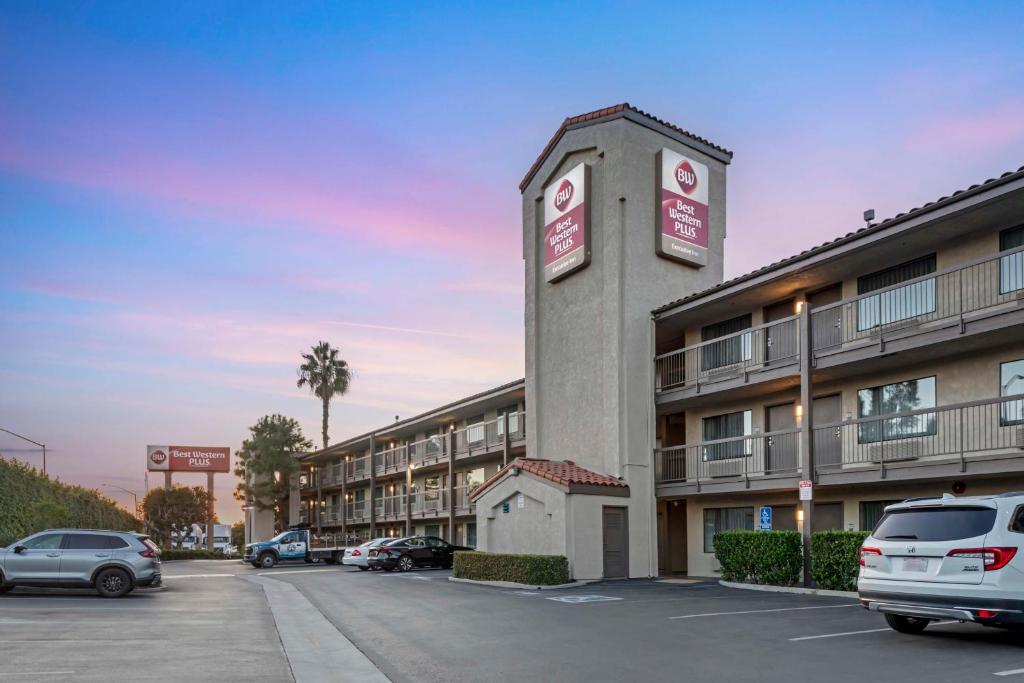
294	571
1011	672
762	611
39	673
837	635
196	576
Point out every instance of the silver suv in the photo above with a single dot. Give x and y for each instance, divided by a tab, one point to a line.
113	562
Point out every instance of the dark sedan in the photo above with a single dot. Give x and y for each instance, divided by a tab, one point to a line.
404	554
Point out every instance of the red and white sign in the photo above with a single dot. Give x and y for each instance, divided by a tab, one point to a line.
567	224
806	490
682	208
188	459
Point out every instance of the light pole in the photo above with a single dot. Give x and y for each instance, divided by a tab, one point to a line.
25	438
121	488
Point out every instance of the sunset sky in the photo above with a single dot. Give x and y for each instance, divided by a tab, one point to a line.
189	198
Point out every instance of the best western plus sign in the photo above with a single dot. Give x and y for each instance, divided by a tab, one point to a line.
683	209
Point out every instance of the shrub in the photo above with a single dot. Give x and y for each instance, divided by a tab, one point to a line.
168	554
30	501
768	557
533	570
835	559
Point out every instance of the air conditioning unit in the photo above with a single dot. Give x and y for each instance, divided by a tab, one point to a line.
891	452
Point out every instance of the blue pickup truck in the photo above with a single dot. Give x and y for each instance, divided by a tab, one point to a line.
294	545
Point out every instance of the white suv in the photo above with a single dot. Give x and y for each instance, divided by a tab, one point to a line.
946	558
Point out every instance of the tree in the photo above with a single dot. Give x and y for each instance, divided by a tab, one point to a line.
170	513
238	535
266	462
326	375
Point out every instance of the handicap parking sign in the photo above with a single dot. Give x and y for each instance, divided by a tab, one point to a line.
766	518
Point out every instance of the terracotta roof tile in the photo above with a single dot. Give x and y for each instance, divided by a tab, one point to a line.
563	473
601	113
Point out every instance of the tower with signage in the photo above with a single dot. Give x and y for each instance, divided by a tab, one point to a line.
622	213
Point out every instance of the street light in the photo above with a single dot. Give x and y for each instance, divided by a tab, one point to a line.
121	488
25	438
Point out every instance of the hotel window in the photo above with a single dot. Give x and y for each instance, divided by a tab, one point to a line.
899	397
725	519
901	303
1011	266
734	349
471	534
1011	383
871	511
476	432
513	420
724	427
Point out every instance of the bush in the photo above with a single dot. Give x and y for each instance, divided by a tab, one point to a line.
532	570
168	554
773	558
835	559
30	501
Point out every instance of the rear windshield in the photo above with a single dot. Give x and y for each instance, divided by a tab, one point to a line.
935	524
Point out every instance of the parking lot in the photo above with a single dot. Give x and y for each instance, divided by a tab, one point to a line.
213	622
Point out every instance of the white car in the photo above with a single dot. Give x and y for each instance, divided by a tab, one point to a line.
946	558
356	557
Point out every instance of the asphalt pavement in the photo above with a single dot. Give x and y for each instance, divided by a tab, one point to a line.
213	621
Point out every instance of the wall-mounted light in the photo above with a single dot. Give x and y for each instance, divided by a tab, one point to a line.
800	515
799	307
798	411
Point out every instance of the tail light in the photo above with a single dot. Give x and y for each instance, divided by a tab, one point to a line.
356	553
868	551
992	558
986	614
147	553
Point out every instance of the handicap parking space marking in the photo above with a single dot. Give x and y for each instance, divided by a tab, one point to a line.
579	599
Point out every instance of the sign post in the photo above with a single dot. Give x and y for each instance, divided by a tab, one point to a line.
209	459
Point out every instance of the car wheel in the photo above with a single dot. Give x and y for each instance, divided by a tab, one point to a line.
267	560
906	624
362	568
113	583
405	563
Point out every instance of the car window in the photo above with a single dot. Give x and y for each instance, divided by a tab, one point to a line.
935	524
436	543
84	542
1017	522
44	542
114	542
417	543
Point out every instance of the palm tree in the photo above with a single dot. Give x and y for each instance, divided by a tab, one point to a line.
326	375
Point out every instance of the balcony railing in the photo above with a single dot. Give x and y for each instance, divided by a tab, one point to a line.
960	432
770	345
357	468
391	461
489	434
741	457
947	296
427	451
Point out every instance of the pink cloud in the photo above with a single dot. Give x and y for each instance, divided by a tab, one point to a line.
963	131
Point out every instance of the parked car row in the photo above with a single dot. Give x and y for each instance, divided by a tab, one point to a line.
403	554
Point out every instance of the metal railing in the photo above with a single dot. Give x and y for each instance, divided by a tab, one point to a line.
357	510
925	302
428	451
742	457
958	431
428	503
773	344
392	460
390	507
482	436
357	468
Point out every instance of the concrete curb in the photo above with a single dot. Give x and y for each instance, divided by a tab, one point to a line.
522	586
788	589
315	648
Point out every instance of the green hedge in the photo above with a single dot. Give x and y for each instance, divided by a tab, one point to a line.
31	502
768	557
168	554
532	570
835	559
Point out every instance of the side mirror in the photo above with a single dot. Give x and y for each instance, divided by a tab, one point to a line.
19	549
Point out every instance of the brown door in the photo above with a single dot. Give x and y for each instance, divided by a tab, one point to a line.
780	340
616	542
781	449
827	516
828	448
826	326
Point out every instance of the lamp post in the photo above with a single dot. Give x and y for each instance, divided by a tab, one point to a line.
25	438
129	491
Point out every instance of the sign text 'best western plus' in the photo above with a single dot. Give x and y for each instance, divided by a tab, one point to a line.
567	223
188	458
682	208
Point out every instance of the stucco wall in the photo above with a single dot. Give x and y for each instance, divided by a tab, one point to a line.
538	528
588	337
